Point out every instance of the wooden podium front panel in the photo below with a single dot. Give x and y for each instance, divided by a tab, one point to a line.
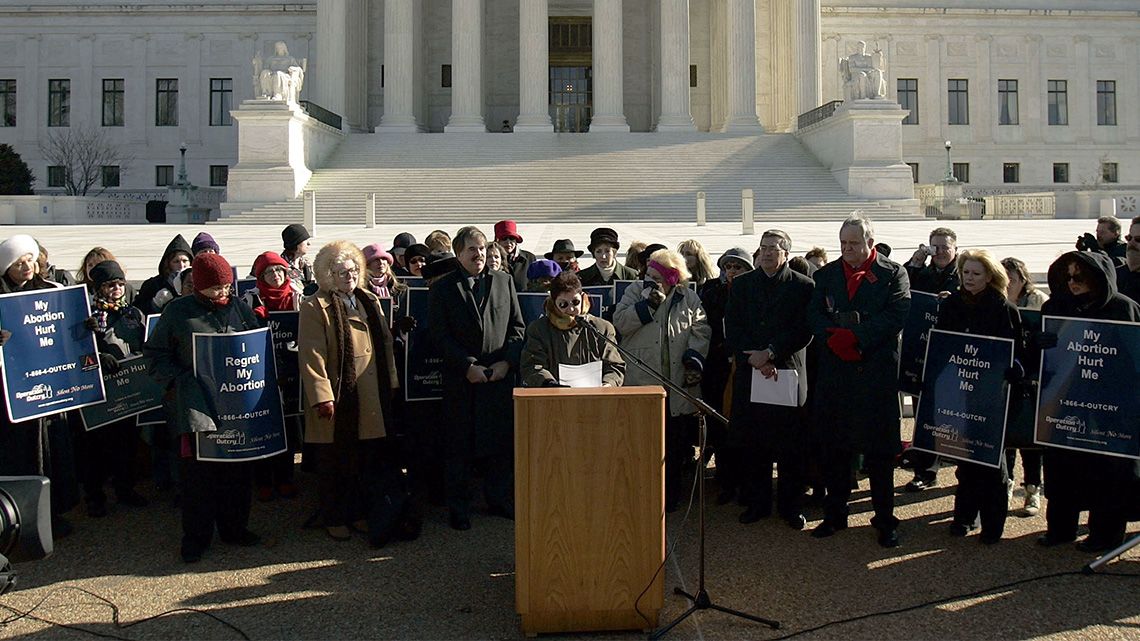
589	507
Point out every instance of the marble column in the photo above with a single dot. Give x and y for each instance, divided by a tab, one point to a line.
466	67
809	84
399	55
534	67
328	79
676	113
741	18
609	99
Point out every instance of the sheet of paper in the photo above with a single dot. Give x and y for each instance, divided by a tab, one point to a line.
588	375
783	390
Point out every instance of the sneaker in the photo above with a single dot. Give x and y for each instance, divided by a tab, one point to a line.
338	533
959	529
918	484
1032	500
1009	490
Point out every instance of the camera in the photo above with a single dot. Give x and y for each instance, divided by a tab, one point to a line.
25	523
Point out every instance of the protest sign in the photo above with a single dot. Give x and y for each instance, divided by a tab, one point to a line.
130	391
157	416
284	326
923	314
423	367
51	362
238	376
1087	399
606	294
243	285
962	408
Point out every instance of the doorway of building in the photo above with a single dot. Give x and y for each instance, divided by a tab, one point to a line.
571	78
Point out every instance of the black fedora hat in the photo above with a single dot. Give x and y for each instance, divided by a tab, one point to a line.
563	245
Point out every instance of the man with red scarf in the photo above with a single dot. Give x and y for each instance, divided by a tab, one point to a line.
857	311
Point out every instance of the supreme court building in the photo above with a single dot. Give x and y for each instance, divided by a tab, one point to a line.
1032	93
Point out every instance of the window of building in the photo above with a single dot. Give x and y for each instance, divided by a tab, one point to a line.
59	103
1106	102
1060	172
110	175
958	93
166	102
219	175
221	101
913	171
163	175
962	171
1007	102
1011	172
1109	172
692	76
1058	102
7	103
908	98
114	97
57	176
445	76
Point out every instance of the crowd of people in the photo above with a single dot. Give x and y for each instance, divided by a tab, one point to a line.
709	326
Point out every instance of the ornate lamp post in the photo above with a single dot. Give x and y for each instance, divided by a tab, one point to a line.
949	177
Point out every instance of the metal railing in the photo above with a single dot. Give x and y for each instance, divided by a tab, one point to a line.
819	114
320	114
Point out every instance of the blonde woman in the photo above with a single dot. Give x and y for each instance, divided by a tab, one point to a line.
700	264
979	306
348	373
661	321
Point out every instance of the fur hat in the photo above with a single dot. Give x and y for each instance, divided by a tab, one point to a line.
16	247
333	254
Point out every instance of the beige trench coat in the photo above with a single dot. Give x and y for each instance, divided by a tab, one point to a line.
320	366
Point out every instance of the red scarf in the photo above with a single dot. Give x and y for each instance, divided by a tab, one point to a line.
276	299
855	275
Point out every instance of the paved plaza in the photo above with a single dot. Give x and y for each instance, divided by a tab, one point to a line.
139	247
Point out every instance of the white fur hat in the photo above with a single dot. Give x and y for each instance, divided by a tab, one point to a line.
15	247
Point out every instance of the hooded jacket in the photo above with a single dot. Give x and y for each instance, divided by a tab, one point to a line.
1105	302
146	300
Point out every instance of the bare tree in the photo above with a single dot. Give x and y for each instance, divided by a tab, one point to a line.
83	152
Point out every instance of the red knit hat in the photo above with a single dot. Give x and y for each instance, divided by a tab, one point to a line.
211	270
266	260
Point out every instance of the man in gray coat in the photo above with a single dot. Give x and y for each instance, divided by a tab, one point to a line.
857	311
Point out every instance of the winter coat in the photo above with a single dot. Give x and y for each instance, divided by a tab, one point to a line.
170	350
124	334
547	346
592	276
146	299
321	358
680	321
1128	282
480	417
931	279
856	404
517	267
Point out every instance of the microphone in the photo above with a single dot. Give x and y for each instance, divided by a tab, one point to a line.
581	320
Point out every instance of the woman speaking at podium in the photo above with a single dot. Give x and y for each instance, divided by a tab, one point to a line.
557	343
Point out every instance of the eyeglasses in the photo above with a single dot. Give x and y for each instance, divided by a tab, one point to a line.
567	304
733	267
276	270
347	273
770	248
1076	278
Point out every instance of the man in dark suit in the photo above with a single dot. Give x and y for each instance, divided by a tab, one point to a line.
477	327
517	260
766	328
857	311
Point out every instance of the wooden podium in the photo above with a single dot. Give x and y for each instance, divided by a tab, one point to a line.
589	508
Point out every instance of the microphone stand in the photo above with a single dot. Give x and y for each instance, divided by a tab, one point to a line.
701	600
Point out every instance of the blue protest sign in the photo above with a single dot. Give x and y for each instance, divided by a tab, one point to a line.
923	314
1087	399
962	409
619	288
51	362
130	391
606	294
157	416
423	367
284	326
237	373
243	285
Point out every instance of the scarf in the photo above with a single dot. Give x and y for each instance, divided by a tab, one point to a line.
561	320
856	275
215	303
607	272
346	419
277	299
106	305
380	286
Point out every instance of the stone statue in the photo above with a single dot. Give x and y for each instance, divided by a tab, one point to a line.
863	75
279	77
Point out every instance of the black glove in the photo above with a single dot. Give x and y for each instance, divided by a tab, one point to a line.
4	336
1046	340
1015	373
108	363
405	324
1088	242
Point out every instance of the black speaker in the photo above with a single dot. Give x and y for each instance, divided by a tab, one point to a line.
25	518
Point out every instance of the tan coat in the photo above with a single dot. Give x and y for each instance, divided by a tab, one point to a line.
320	366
